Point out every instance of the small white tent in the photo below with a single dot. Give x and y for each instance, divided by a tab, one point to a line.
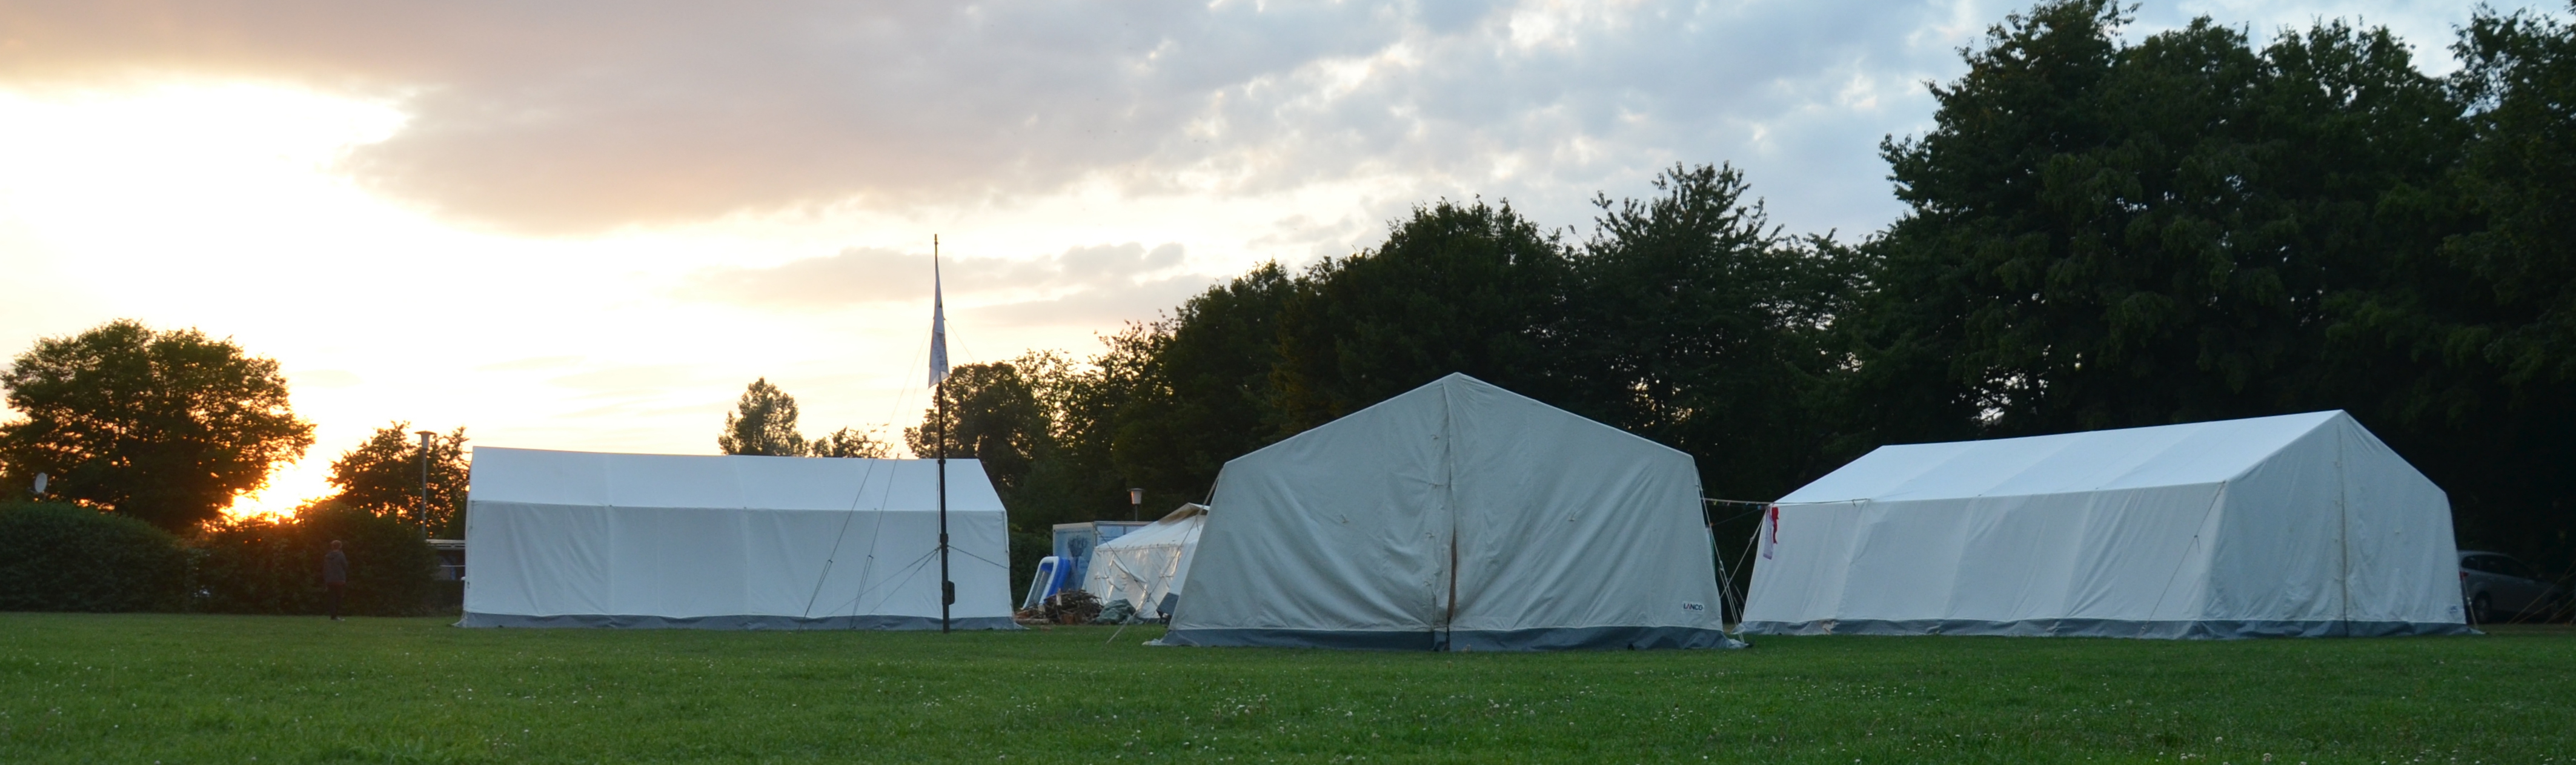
578	539
1456	516
1144	565
2297	525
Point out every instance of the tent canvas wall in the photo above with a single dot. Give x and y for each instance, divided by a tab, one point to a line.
731	542
1074	543
1455	516
1148	563
2297	525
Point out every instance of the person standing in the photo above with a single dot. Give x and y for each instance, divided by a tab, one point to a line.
335	578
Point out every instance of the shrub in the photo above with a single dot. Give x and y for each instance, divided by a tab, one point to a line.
274	566
1027	548
57	556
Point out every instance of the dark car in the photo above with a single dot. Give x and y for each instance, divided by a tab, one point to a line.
2495	585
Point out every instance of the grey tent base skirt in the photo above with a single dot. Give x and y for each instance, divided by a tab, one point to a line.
749	622
2214	629
1550	639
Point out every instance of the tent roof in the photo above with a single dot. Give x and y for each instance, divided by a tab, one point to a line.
2164	455
541	477
1479	400
1178	528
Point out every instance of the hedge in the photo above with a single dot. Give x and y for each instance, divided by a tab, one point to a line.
62	557
56	556
1027	548
269	566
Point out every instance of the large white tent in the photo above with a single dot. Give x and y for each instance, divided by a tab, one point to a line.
1144	565
565	539
1456	516
2297	525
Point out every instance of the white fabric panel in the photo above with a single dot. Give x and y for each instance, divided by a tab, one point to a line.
1880	474
1564	532
2404	561
513	544
1989	559
2165	455
2140	553
1803	579
534	477
1557	515
2280	544
670	480
571	534
1142	566
2227	528
1337	528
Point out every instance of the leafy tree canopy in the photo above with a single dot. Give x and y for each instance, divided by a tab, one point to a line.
382	475
2100	231
2111	235
994	417
1691	320
163	426
849	442
762	423
1468	288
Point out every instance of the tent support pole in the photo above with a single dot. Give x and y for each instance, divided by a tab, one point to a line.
947	589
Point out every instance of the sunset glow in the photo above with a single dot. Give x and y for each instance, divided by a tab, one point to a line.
588	245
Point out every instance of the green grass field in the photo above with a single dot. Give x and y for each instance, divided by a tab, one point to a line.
184	688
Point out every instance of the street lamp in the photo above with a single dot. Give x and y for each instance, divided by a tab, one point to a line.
425	436
1135	504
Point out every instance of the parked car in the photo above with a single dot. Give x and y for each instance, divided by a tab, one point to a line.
2495	585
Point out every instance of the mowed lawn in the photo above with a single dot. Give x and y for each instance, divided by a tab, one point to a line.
190	688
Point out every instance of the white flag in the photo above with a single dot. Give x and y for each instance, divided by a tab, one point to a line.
938	324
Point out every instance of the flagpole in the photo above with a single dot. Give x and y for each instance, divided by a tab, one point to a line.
939	403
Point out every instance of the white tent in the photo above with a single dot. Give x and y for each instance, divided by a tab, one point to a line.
1455	516
2298	525
645	540
1144	565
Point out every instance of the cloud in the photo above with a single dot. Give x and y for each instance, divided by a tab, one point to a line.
533	363
1142	301
635	380
325	378
862	275
584	116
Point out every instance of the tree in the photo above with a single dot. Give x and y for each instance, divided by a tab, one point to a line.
2471	347
2520	172
849	442
382	475
1071	476
2192	228
763	423
2520	175
1691	320
164	426
1202	388
993	417
2101	235
1466	288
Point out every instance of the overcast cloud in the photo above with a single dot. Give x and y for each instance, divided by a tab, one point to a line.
862	275
585	224
577	117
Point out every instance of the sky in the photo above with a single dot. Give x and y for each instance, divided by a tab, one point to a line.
588	225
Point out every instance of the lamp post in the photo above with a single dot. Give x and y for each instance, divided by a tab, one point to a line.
1135	504
425	436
